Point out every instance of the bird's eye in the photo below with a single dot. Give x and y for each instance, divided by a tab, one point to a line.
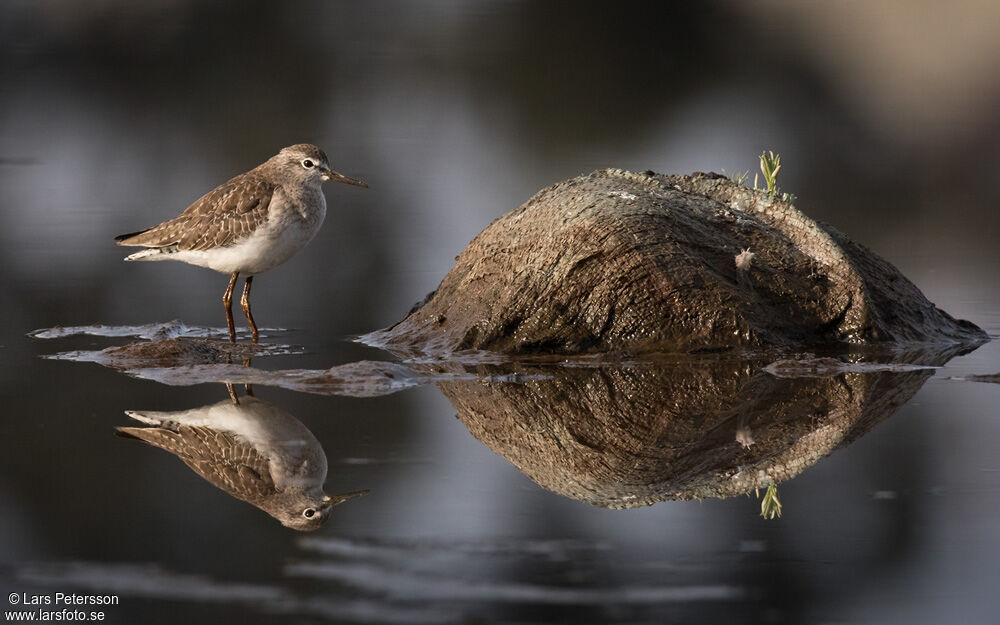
309	513
307	164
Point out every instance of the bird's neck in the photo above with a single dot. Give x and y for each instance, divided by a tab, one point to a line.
307	201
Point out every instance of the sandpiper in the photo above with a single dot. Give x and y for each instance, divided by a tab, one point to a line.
252	450
248	225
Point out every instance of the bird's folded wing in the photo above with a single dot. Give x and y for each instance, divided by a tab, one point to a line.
221	217
224	460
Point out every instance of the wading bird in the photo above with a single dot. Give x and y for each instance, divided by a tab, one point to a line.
248	225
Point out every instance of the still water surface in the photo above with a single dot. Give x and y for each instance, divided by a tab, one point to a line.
552	496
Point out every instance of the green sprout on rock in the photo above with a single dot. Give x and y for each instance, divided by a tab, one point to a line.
770	165
770	506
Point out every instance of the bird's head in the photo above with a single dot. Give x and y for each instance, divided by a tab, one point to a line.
308	164
308	513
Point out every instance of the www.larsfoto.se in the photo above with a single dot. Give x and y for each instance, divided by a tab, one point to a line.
53	615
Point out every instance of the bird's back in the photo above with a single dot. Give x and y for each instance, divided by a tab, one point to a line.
222	217
219	457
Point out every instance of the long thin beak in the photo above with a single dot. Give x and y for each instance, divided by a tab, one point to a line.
336	500
329	174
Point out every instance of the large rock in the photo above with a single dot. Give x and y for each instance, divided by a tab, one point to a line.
644	262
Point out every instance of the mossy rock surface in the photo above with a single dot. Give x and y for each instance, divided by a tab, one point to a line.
645	262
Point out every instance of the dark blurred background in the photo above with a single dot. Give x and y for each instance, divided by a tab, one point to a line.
116	115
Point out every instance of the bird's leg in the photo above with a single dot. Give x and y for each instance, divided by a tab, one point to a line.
245	303
227	301
229	385
247	387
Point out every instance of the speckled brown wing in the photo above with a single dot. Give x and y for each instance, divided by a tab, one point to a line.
219	457
221	217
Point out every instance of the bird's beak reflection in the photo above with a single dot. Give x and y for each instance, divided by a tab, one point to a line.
329	174
336	500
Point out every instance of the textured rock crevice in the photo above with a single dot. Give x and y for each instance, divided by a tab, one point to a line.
644	262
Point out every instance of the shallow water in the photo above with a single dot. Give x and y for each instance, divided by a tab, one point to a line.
116	118
452	530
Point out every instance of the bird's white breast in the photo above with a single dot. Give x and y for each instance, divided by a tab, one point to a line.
291	224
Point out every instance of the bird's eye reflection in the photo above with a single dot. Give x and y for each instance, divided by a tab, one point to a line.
307	163
249	448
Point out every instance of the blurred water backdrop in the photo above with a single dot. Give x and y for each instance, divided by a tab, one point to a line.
116	115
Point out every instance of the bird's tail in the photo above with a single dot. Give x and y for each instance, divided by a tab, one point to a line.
122	239
148	417
152	253
155	249
157	437
127	432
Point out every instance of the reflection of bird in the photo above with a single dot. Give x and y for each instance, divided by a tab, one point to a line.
252	450
248	225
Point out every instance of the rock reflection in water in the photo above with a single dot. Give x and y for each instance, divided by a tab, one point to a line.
252	450
626	436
